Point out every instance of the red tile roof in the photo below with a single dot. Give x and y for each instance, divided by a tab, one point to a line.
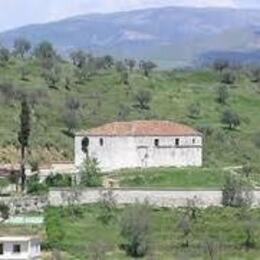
141	128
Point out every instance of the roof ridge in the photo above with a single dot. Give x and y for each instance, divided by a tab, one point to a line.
142	128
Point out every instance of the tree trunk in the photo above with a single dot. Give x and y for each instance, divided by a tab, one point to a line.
23	175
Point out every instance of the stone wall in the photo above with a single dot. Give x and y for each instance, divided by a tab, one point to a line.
157	198
25	204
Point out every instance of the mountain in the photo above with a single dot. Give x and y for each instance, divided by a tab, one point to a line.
171	36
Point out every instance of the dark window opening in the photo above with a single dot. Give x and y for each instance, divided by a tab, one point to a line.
85	144
156	142
1	249
193	140
177	141
17	249
101	141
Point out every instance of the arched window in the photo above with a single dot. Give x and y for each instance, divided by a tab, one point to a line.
85	144
156	142
101	141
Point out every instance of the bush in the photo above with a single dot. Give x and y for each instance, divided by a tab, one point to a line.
222	94
35	187
228	77
90	175
58	180
231	119
256	140
194	110
4	211
135	229
237	192
107	205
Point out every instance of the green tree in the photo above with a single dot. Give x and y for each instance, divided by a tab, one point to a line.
130	63
231	119
194	110
109	61
255	74
44	50
143	98
90	174
222	94
21	47
147	67
24	136
136	228
4	56
237	192
107	205
228	77
46	55
220	65
52	76
79	58
185	228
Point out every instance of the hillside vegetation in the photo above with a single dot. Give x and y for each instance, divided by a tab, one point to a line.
66	97
213	233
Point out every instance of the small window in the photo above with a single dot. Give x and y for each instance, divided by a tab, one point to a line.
16	248
101	141
85	144
177	141
1	249
156	142
193	141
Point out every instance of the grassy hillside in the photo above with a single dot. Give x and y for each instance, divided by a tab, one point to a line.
104	98
215	233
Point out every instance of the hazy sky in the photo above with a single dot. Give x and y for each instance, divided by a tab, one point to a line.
14	13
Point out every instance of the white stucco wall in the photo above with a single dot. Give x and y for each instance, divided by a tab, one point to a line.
29	250
119	152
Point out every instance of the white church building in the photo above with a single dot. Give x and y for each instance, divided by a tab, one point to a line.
140	144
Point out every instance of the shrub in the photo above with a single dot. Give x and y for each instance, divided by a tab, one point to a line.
231	119
135	229
256	140
90	175
185	228
107	205
237	192
58	180
4	211
194	110
35	187
222	94
143	98
228	77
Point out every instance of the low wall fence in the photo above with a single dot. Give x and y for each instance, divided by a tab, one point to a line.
167	198
158	198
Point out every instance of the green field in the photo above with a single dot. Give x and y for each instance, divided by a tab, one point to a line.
104	98
173	178
223	229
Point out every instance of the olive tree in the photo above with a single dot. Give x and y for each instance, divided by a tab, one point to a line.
21	47
237	192
136	228
231	119
143	97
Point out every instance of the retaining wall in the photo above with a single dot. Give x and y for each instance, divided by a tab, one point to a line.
158	198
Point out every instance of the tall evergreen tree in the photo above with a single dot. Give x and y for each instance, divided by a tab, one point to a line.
24	136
